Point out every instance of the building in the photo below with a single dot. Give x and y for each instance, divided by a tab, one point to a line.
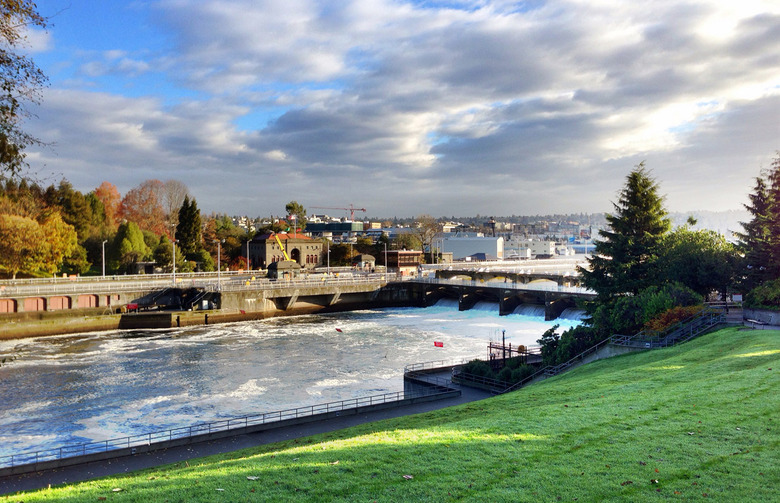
404	262
462	247
269	248
534	247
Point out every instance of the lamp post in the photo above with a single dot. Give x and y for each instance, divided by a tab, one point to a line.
174	261
104	257
385	262
329	258
219	265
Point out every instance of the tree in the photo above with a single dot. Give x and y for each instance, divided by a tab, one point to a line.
188	230
774	218
163	254
21	83
20	242
30	246
73	206
295	209
759	243
128	247
143	205
172	195
624	257
58	242
701	260
108	194
426	230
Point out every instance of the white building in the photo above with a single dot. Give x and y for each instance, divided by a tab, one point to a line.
462	247
535	247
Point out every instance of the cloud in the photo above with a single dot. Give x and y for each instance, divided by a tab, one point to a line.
432	107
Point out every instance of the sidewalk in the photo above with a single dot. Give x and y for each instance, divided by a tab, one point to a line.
126	464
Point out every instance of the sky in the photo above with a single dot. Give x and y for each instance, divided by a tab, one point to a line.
447	108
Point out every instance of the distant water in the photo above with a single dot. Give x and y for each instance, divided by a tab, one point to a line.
96	386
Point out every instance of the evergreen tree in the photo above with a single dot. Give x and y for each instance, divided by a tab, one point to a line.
773	266
623	261
754	242
188	230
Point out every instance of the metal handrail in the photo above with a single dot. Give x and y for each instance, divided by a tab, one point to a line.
67	451
119	284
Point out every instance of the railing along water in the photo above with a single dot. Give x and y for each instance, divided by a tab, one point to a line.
238	423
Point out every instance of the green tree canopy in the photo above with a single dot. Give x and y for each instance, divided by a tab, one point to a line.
128	247
701	260
294	208
188	230
624	257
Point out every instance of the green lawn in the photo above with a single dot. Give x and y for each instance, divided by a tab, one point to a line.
694	422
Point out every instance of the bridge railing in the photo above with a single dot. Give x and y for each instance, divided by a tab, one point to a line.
234	282
509	285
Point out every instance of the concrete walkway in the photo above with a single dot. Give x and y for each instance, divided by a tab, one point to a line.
69	475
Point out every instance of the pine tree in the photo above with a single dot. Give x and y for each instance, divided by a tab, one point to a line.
755	241
623	261
773	265
188	230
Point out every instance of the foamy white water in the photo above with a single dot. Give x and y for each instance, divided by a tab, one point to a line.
72	389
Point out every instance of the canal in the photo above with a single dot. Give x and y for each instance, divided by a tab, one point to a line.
97	386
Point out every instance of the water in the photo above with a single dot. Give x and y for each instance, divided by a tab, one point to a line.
97	386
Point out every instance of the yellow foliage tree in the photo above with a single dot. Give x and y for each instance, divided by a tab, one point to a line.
29	246
20	244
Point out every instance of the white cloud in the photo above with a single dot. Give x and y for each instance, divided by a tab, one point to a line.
449	107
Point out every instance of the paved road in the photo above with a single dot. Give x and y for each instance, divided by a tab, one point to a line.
67	475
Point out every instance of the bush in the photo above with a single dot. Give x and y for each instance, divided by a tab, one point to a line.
522	372
671	317
505	375
764	296
479	368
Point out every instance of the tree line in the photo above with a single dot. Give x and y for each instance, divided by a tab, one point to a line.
648	276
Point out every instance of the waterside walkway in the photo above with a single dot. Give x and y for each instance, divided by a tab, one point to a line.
76	473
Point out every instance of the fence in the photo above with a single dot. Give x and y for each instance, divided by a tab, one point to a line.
237	425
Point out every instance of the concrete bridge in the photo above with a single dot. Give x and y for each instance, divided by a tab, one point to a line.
47	308
509	295
565	275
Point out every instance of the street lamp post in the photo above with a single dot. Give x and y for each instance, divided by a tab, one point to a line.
219	265
104	257
174	261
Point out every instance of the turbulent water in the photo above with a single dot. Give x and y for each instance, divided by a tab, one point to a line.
71	389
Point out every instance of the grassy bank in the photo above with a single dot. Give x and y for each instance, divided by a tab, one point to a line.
695	422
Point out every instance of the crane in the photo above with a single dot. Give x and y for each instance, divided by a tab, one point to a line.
351	210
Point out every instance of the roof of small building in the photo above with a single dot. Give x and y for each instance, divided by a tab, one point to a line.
284	265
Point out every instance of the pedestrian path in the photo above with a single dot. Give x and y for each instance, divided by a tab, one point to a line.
87	471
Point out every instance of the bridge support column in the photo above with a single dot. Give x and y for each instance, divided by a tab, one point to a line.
466	301
287	303
507	302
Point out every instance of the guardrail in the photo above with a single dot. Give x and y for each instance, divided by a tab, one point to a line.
234	284
225	425
507	285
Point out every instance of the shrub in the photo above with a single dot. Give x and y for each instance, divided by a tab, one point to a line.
671	317
522	372
764	296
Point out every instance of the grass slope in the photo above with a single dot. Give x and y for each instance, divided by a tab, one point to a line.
694	422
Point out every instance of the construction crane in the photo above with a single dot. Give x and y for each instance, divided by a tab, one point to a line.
286	257
351	210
